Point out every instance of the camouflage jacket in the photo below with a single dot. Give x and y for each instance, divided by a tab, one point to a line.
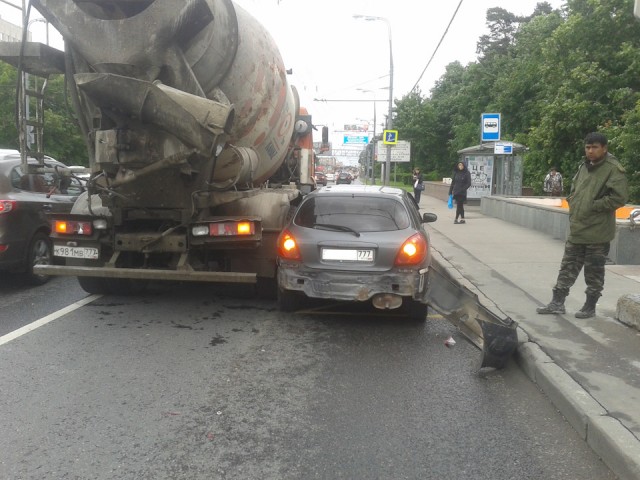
597	191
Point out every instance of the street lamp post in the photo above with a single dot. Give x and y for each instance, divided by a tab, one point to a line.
370	173
371	18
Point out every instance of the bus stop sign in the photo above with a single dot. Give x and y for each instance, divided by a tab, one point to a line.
490	127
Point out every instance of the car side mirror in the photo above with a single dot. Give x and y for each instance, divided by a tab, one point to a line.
429	217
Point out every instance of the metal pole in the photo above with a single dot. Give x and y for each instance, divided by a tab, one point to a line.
369	173
389	118
370	18
373	150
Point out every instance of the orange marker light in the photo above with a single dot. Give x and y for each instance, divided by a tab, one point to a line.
245	228
60	226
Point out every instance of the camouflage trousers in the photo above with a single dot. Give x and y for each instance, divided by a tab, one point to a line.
592	257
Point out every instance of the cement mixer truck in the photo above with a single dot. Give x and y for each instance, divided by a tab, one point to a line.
198	146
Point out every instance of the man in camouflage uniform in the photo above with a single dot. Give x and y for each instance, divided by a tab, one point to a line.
598	189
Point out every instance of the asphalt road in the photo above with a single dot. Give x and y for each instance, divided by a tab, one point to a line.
201	382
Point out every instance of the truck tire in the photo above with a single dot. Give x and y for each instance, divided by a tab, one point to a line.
40	253
266	288
126	286
94	285
112	286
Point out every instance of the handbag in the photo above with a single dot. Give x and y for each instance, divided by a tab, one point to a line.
450	202
421	187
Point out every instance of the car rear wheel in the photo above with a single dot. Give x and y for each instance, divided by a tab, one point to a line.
417	311
40	253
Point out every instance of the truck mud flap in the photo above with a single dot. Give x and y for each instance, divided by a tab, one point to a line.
475	315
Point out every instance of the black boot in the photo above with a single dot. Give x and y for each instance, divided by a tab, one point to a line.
588	310
555	306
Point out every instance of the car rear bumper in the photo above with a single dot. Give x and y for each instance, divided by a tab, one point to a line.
353	286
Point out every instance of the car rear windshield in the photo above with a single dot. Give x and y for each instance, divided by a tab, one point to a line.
363	214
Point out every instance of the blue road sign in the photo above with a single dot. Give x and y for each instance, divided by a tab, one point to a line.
390	137
359	139
490	127
503	148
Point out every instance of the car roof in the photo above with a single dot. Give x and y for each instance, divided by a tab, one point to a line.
6	153
373	190
13	156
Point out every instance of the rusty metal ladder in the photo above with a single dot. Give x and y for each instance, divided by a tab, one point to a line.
31	116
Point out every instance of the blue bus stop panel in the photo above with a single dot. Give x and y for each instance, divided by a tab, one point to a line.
490	127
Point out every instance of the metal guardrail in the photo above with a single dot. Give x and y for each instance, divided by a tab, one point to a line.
475	315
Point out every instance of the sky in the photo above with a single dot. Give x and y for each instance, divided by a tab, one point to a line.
334	56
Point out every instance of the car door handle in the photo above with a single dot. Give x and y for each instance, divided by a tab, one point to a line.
47	207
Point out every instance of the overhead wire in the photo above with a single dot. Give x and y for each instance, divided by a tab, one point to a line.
438	46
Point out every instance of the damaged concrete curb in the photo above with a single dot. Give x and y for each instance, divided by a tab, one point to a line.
618	448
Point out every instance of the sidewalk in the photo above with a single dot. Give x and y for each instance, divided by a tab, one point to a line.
589	369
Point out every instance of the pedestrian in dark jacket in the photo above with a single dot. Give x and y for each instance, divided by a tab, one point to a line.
460	183
598	189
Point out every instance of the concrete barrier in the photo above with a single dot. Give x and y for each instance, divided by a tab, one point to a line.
628	310
542	214
440	190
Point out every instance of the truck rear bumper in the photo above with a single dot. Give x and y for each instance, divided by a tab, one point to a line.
148	274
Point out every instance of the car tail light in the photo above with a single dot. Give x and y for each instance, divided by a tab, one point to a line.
412	252
288	247
7	206
224	229
65	227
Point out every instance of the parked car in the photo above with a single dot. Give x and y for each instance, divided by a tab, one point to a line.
26	199
356	243
321	179
344	178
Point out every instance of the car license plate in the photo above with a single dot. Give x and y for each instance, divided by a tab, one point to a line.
90	253
347	255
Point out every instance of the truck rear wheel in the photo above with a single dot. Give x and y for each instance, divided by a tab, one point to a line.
93	285
267	288
112	286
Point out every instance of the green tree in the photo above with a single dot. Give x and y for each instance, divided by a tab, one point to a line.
62	139
8	131
555	75
415	116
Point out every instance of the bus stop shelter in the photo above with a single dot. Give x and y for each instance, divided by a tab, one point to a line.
495	167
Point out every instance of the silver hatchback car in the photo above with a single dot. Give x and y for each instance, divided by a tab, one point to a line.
356	243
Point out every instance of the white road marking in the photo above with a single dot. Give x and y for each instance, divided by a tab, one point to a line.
49	318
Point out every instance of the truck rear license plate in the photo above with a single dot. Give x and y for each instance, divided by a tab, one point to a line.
90	253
